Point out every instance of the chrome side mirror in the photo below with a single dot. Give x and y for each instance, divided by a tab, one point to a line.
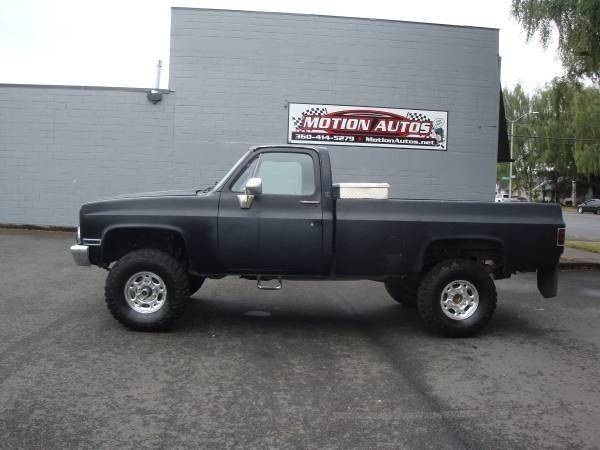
253	187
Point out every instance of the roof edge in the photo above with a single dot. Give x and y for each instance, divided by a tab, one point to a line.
83	88
334	16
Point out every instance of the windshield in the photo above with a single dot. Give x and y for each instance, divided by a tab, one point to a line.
220	184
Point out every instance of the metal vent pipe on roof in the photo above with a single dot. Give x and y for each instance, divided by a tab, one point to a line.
158	69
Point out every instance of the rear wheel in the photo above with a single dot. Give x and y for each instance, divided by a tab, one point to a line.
146	290
404	291
457	298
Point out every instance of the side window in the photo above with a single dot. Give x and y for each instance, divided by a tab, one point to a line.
286	173
240	183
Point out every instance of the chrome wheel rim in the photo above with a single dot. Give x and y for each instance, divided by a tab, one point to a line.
459	299
145	292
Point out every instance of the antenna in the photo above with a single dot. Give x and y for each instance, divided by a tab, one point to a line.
158	68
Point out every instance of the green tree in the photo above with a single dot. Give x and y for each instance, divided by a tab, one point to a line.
560	143
554	105
586	124
555	127
568	128
526	152
577	23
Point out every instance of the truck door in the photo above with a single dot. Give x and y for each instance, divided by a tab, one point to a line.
281	232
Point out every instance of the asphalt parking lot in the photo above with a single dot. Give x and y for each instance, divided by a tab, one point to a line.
317	365
585	227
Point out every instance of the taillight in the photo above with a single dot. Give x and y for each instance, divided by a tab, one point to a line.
560	237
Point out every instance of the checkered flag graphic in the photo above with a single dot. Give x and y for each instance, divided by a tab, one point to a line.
417	116
309	112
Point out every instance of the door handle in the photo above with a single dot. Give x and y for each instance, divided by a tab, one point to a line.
310	202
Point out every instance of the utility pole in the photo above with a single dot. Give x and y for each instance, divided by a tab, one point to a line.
573	192
512	144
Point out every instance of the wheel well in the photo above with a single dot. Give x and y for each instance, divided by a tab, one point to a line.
490	253
119	242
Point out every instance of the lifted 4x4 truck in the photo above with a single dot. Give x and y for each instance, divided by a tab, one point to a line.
276	215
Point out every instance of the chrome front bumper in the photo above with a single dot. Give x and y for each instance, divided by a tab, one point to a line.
81	254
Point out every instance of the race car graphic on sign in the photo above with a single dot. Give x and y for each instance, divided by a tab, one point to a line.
367	126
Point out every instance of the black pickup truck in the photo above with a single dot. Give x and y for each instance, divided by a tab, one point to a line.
276	215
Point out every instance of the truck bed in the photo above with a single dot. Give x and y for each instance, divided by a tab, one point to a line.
393	236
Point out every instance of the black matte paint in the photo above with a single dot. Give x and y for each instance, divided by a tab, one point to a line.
336	238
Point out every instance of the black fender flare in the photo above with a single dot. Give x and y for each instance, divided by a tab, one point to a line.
420	259
145	226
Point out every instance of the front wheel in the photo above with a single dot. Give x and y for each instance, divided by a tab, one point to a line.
457	298
580	210
146	290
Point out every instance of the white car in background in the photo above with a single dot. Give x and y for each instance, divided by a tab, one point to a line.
502	198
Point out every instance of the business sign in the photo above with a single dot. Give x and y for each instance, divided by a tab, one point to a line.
367	126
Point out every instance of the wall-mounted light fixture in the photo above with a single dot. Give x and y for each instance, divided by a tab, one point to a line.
154	96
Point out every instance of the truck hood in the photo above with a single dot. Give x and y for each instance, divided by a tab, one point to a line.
167	209
174	193
143	201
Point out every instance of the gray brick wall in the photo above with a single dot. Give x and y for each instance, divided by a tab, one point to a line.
60	147
234	73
